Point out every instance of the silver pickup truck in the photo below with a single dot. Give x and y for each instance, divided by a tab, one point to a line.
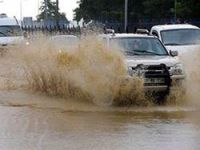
147	57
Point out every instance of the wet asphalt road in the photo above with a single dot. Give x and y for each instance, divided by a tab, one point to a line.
28	128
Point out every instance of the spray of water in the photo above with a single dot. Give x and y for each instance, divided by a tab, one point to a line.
89	71
191	61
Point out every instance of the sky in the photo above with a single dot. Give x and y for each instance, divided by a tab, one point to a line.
30	7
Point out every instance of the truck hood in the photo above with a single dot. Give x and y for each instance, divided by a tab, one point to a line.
11	40
169	61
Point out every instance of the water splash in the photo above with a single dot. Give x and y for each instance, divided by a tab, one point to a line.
191	61
89	72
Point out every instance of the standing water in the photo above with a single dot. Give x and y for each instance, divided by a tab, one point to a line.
55	98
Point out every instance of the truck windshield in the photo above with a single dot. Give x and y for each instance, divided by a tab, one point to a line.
181	37
8	31
140	46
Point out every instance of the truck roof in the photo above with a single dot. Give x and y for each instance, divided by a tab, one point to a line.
173	27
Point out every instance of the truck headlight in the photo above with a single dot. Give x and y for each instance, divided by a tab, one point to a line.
177	69
138	71
130	71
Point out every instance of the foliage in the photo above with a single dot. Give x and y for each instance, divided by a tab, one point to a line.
49	11
113	10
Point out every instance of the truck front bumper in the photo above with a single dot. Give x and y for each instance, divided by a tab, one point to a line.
159	88
176	80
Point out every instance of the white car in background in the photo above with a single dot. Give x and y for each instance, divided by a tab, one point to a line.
179	37
146	57
10	31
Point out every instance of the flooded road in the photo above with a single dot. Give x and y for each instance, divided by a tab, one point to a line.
29	128
36	112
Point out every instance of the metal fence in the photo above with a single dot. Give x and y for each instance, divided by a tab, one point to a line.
64	27
29	23
147	23
48	27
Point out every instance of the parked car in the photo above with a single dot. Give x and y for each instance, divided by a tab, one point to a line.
179	37
10	33
147	58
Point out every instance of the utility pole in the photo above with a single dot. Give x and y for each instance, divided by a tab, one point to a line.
57	13
126	16
38	5
175	16
20	12
57	5
45	9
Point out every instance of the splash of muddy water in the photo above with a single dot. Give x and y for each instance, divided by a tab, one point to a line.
88	71
191	61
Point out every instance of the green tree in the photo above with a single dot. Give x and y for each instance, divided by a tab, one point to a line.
158	8
49	10
190	8
108	10
99	10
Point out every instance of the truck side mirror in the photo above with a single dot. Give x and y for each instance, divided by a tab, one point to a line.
173	53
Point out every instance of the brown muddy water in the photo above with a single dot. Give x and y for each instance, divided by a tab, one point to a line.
39	112
31	128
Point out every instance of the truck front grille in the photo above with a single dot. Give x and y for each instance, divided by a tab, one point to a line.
158	74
